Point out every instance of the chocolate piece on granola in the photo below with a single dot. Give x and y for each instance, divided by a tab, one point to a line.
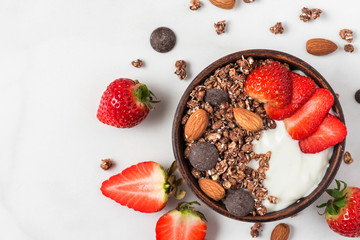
180	66
138	63
195	5
277	28
220	27
348	158
203	156
162	39
239	202
216	96
255	230
349	48
346	34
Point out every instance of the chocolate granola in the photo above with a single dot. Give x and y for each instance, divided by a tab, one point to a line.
234	144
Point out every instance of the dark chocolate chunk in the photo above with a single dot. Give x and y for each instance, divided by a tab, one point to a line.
216	96
162	39
357	96
239	202
203	156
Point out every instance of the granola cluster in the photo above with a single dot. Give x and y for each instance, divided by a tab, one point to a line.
195	5
180	71
220	27
308	14
277	28
233	143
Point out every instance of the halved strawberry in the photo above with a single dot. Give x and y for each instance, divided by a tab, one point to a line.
308	118
270	83
182	223
302	89
330	132
144	187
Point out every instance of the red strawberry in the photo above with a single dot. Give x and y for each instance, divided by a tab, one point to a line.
125	103
182	223
143	187
302	89
270	83
308	118
330	132
343	212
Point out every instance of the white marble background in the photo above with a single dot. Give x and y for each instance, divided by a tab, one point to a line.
56	59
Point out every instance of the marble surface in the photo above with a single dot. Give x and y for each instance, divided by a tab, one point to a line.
57	57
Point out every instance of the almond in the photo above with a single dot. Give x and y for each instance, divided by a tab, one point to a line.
212	189
280	232
224	4
320	46
196	125
248	120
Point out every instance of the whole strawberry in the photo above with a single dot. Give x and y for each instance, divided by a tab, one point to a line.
125	103
182	223
343	212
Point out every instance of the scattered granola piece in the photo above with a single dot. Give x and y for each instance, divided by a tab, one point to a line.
220	27
307	14
106	164
249	1
255	229
346	34
278	28
349	48
272	199
180	69
315	13
296	214
348	158
138	63
337	95
195	5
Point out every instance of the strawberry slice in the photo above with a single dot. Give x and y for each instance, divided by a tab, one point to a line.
302	89
308	118
144	187
270	83
330	132
182	223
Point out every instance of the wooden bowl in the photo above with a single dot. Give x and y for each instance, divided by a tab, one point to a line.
179	143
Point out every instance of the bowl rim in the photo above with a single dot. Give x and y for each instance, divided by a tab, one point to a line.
177	136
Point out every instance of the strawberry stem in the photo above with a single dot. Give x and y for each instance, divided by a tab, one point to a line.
144	95
334	206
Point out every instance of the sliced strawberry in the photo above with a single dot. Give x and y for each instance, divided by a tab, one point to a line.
182	223
270	83
330	132
142	187
308	118
302	89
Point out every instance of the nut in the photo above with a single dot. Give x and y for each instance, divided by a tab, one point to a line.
247	120
212	189
196	125
320	46
224	4
280	232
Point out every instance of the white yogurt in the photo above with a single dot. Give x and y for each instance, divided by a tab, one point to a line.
292	174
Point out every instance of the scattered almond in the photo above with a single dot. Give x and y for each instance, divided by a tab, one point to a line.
224	4
212	189
280	232
320	46
196	125
248	120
